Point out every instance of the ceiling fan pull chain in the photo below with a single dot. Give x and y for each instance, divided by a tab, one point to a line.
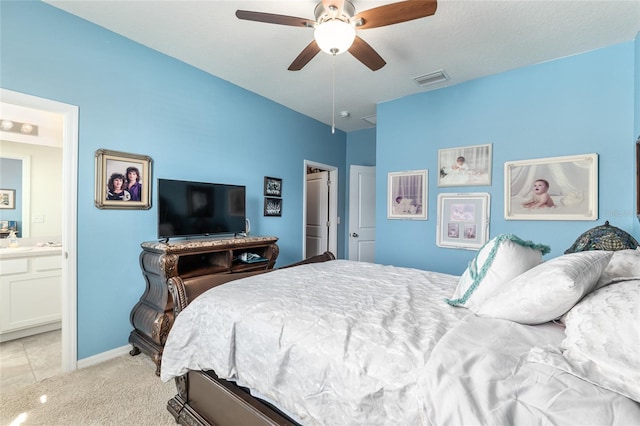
333	103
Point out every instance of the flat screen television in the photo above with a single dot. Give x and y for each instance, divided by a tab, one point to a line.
187	209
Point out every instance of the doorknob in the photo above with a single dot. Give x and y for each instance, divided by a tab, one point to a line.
354	235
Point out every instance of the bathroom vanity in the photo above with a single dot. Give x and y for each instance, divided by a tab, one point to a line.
30	291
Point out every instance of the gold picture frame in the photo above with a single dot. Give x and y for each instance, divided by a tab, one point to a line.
113	189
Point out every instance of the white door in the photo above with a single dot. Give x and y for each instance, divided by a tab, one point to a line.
317	213
362	213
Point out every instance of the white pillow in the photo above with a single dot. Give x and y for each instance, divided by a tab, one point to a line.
624	265
547	291
603	338
498	261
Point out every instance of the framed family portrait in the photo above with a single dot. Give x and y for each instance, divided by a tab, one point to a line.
7	199
465	166
558	188
123	181
272	206
463	220
407	196
272	187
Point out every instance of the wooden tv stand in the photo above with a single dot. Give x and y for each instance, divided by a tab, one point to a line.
198	264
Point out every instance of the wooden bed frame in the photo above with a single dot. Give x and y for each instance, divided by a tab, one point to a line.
203	399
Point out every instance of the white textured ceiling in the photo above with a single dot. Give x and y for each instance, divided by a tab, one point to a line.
468	39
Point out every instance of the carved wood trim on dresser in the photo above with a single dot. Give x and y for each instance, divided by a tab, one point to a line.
181	271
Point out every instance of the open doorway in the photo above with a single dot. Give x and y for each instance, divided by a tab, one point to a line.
320	209
69	114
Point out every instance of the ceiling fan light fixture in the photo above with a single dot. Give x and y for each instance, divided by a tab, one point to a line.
334	36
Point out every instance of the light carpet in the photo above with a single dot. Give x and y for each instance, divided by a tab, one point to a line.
124	390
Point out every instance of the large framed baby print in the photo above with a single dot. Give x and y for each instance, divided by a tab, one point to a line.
557	188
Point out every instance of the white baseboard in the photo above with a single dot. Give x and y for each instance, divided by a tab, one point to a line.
18	334
104	356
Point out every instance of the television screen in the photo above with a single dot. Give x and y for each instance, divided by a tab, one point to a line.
199	208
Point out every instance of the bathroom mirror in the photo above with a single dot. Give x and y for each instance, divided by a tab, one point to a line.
19	164
36	171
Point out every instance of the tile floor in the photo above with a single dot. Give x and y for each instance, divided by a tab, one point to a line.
30	360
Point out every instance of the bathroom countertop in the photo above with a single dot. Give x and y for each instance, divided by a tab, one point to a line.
28	251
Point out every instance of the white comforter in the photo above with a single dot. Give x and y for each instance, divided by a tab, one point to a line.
334	343
492	380
348	343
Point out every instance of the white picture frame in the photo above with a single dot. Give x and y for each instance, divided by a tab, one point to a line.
407	195
569	182
465	166
463	220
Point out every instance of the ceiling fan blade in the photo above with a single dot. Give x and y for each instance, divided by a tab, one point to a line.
305	56
272	18
361	50
396	13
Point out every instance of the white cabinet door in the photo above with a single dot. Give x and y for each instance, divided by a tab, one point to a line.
30	292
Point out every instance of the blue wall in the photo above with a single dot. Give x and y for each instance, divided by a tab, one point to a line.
361	147
193	125
575	105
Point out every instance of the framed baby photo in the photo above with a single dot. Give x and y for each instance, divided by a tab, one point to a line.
407	196
465	166
123	181
558	188
463	220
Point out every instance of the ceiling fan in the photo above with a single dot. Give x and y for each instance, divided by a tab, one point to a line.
336	23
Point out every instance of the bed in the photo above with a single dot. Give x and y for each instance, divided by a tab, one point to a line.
513	340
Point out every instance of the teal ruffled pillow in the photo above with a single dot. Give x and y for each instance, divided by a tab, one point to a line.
500	260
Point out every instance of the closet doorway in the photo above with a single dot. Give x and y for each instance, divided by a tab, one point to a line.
320	209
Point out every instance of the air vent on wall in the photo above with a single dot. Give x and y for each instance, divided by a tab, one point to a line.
371	119
431	78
